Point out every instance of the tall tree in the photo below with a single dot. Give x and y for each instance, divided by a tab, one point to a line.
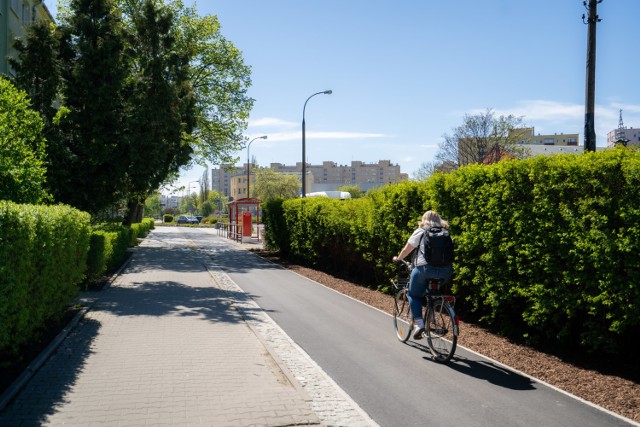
477	136
38	68
95	162
221	80
160	105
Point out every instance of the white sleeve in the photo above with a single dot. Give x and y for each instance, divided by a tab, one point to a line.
414	240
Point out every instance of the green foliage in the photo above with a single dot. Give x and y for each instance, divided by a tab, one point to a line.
38	67
210	220
22	148
271	185
93	144
152	206
43	255
146	87
167	219
546	248
109	244
354	190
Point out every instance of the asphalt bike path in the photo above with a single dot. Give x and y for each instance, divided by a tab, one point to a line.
398	384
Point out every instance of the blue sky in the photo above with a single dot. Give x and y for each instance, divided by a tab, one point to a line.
405	73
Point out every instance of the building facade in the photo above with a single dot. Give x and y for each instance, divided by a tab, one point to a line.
329	176
169	202
527	136
632	136
15	17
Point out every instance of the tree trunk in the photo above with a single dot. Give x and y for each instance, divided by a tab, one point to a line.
134	212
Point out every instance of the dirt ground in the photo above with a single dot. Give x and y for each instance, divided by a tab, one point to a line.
612	392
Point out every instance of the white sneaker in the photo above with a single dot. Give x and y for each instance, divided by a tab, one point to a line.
418	333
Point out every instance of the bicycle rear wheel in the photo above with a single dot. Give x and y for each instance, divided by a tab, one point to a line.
402	317
441	330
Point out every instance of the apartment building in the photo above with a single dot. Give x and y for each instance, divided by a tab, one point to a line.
167	202
631	135
15	17
329	176
221	178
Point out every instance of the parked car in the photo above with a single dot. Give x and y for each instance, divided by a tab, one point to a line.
199	218
186	219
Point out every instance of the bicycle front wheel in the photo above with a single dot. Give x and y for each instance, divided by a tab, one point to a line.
402	317
441	330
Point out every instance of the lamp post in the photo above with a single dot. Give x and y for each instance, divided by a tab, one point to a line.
189	192
249	164
304	162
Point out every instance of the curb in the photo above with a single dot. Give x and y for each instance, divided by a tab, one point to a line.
14	388
33	367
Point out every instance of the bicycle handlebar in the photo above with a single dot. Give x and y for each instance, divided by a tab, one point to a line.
407	264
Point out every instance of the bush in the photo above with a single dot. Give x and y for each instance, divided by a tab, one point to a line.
22	148
546	248
43	257
167	219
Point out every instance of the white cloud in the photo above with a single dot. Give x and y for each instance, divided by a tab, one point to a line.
272	122
533	110
283	130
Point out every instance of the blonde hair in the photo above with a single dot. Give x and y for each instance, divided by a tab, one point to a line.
433	219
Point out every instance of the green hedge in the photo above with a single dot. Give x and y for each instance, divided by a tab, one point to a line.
43	255
546	248
109	244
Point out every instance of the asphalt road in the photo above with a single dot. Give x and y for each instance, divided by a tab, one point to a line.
396	384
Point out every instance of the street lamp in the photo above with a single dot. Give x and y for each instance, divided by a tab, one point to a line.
189	192
248	164
304	162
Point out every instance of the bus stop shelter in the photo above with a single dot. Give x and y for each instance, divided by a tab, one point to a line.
240	217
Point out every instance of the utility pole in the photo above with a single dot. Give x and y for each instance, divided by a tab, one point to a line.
589	125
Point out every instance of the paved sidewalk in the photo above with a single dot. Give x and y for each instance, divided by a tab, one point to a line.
165	344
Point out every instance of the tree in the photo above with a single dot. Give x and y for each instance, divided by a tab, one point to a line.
220	81
271	185
477	136
38	68
22	148
425	170
160	105
146	86
152	206
354	190
93	157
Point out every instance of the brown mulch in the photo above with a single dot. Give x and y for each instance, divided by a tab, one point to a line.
613	392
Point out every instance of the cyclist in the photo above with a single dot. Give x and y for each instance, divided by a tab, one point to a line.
418	280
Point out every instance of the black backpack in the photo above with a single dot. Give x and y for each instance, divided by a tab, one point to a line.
437	246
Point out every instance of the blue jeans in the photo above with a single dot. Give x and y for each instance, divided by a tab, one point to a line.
418	284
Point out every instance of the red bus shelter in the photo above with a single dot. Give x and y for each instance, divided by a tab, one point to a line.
240	216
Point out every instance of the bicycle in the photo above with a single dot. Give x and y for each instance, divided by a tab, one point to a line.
440	319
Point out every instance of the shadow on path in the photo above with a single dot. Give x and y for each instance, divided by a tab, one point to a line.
48	389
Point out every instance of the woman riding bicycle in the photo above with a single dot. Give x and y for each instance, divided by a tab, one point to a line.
422	272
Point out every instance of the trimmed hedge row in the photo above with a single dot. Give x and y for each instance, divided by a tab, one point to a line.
546	248
109	244
46	254
43	254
